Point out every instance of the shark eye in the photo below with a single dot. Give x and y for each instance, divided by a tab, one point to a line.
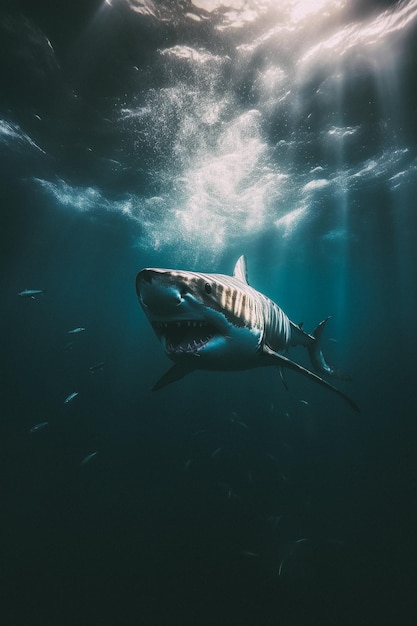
207	288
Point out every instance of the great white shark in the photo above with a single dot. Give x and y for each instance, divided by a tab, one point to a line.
220	322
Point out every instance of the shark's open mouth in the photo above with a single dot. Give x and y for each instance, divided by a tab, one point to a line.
184	335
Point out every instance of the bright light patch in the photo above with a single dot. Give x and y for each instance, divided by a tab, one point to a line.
302	9
228	143
320	183
213	5
297	10
338	235
196	55
230	191
79	198
341	133
290	221
370	33
12	134
235	13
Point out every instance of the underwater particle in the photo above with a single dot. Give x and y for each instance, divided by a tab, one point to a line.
302	540
187	465
88	458
37	427
227	491
271	457
71	397
215	452
76	331
31	293
68	346
249	553
281	565
98	367
274	520
200	432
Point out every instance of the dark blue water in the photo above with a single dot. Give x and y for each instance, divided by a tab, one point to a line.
184	134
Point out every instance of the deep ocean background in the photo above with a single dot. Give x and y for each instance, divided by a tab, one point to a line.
177	134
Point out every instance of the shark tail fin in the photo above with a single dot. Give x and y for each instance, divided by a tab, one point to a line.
317	357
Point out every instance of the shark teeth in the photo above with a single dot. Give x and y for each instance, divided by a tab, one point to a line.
180	324
184	336
186	348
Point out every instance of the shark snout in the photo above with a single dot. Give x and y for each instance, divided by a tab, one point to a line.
156	294
145	276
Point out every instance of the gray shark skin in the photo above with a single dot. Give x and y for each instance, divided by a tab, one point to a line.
220	322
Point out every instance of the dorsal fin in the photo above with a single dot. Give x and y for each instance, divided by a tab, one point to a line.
240	272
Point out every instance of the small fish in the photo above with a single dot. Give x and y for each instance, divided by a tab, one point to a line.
305	402
228	491
88	458
333	340
31	293
71	397
75	331
234	420
215	452
301	540
68	346
249	553
187	465
200	432
280	567
37	427
97	367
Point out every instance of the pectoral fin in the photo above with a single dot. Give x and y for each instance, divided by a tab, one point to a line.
282	361
176	372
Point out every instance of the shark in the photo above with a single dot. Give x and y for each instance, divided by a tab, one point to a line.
220	322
